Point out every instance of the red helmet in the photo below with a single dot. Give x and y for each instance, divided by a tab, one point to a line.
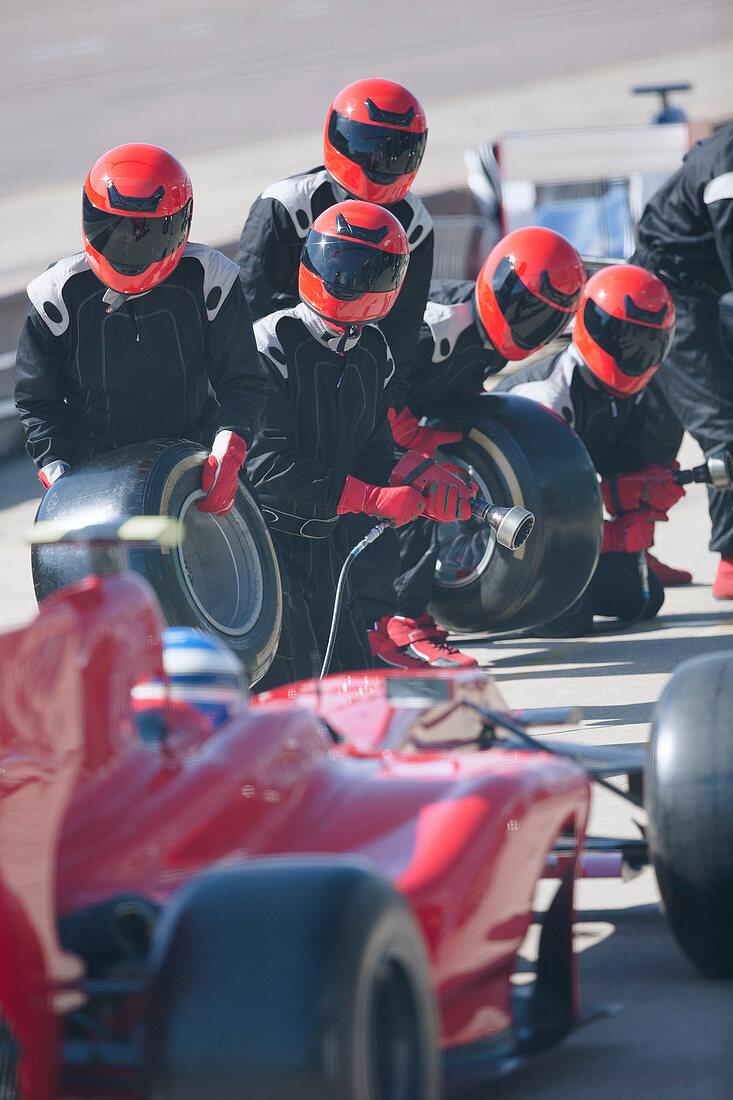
375	139
136	216
624	327
353	263
528	290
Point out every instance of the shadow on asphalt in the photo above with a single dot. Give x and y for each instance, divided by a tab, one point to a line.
650	651
606	629
620	975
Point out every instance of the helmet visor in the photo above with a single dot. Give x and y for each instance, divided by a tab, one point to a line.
132	244
349	269
383	154
634	348
533	322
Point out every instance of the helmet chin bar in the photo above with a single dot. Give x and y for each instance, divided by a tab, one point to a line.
337	337
343	330
113	299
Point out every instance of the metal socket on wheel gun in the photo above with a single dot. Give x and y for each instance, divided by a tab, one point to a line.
512	526
716	471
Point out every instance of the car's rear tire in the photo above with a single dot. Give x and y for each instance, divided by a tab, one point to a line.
519	453
223	579
689	798
300	978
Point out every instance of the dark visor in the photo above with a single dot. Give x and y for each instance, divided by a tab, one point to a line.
349	269
132	244
532	321
634	348
382	154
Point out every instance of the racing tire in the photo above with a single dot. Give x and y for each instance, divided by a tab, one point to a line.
688	794
518	453
224	578
290	977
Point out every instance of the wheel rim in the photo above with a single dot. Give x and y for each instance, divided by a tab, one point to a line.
395	1040
466	546
220	568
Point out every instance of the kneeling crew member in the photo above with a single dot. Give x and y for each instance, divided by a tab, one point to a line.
526	293
325	446
622	333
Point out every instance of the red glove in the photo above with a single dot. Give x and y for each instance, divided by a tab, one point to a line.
447	502
220	474
461	474
408	433
630	533
448	497
397	505
653	487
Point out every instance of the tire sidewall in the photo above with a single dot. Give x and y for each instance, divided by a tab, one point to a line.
172	481
156	478
688	795
528	457
336	920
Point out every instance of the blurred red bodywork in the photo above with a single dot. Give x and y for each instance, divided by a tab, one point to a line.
89	812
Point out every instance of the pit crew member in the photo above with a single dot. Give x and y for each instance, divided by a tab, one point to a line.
685	235
526	293
141	335
325	448
621	335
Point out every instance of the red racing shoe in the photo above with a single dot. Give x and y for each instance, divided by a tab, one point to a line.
723	583
385	652
667	576
424	640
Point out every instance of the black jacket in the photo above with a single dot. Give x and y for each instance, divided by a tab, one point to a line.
686	230
613	430
454	354
89	380
325	417
273	236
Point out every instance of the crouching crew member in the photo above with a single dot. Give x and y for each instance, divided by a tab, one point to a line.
621	335
325	447
526	293
126	341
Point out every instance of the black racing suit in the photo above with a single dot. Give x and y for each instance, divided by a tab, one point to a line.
615	435
89	380
325	418
454	358
685	235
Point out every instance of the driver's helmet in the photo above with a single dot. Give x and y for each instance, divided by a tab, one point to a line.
136	216
201	673
374	140
624	327
352	264
204	672
528	290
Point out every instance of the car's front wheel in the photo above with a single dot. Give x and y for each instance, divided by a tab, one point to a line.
302	978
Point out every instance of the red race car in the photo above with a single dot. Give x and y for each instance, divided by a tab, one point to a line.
323	899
